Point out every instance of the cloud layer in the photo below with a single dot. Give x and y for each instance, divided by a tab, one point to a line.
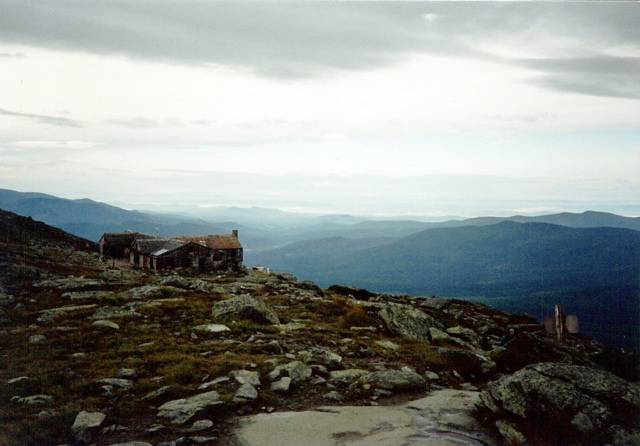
595	46
360	106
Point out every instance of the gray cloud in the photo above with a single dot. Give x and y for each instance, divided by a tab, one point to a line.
305	39
44	119
13	55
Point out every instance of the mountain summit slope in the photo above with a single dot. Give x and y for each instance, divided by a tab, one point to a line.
106	353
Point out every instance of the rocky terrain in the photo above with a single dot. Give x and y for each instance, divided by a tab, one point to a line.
94	351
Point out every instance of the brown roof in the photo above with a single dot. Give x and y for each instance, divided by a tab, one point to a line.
215	241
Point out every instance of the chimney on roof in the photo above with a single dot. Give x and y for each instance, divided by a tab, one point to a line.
235	233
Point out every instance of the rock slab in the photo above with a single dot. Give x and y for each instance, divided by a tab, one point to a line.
563	403
443	418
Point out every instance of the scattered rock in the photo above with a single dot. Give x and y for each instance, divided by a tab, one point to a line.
86	425
156	394
245	307
105	325
53	314
182	410
200	425
246	392
282	385
36	400
321	356
211	328
126	373
246	377
346	377
295	370
37	339
117	382
333	396
405	320
388	345
394	380
110	312
17	380
215	382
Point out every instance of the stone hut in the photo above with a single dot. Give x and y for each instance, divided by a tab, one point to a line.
117	244
205	253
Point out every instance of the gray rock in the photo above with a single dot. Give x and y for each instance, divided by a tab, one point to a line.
211	328
17	380
433	376
246	377
295	370
126	373
53	314
86	425
405	320
346	377
388	345
109	312
466	334
36	400
394	380
245	307
151	292
246	392
117	382
563	401
37	339
200	439
333	396
215	382
105	325
282	385
200	425
156	394
321	356
182	410
510	434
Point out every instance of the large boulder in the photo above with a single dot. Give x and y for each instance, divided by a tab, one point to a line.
563	404
405	320
245	307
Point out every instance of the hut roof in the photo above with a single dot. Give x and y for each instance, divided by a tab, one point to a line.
168	246
147	246
119	238
215	241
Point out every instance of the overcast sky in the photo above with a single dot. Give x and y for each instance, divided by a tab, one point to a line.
408	108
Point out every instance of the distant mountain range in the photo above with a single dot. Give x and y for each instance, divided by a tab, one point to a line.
523	267
589	262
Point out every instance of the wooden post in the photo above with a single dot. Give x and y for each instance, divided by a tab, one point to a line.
559	322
